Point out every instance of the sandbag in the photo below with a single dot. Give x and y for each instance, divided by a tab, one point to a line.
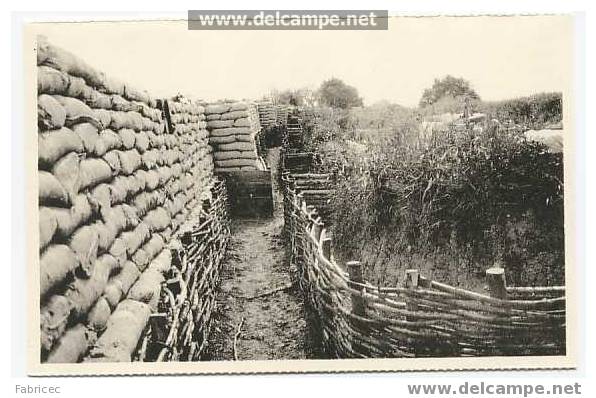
121	217
232	155
235	163
131	217
50	113
147	288
135	238
130	120
231	131
77	111
118	250
165	173
67	171
113	160
104	116
245	138
252	154
89	134
100	197
242	122
107	234
141	142
82	293
216	108
73	345
152	179
68	220
222	140
141	176
248	168
120	104
60	59
84	243
51	81
234	115
52	145
162	262
130	184
99	100
213	116
133	94
157	219
98	316
113	86
108	140
155	140
127	136
226	169
219	123
120	284
124	329
53	320
94	171
78	89
47	226
236	146
121	187
239	106
51	192
166	233
129	161
141	259
146	201
55	263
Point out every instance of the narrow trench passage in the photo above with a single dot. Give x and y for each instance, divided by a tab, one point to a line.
260	313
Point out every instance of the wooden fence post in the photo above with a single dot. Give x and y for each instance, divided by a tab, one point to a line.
412	279
355	272
326	246
495	278
317	228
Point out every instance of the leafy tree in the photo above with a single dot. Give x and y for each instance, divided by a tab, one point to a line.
337	94
447	87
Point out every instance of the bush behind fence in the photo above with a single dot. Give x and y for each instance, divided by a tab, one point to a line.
421	318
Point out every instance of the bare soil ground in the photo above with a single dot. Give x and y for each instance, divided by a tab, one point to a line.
259	304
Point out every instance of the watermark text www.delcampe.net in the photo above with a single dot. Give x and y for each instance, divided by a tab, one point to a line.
482	388
287	20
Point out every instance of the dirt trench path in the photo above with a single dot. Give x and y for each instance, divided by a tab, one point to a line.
259	303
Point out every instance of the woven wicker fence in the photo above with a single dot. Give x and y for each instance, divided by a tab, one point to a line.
422	318
179	330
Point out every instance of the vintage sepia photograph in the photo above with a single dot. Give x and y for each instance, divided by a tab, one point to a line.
378	193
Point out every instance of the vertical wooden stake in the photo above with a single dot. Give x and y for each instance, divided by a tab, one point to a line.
495	278
326	246
412	279
317	228
355	272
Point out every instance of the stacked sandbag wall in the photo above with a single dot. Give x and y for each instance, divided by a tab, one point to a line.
115	184
233	129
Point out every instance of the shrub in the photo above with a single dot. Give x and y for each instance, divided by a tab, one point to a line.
533	110
454	206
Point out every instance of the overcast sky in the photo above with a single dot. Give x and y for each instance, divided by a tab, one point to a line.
502	57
